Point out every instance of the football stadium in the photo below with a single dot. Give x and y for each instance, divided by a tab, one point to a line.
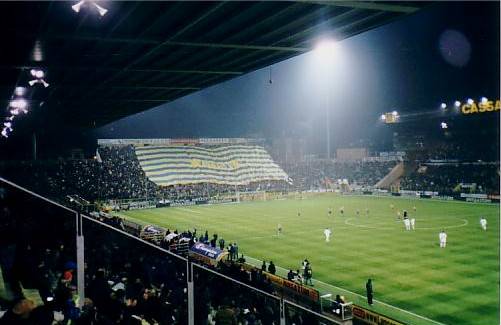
250	163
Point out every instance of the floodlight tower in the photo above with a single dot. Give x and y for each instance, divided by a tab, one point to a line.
325	52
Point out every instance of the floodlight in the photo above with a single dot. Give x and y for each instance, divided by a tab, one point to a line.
78	6
457	103
470	101
4	133
325	51
100	9
37	73
10	118
19	91
7	124
18	103
38	81
443	105
37	54
14	111
394	113
383	117
443	125
483	100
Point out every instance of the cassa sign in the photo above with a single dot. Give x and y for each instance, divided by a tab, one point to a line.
481	107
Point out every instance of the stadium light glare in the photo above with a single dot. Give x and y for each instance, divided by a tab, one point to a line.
469	101
457	103
44	83
19	91
383	117
325	51
76	7
18	104
443	125
394	113
38	75
102	11
443	105
483	100
4	133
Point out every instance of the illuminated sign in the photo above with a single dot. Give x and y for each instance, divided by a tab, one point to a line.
481	107
391	117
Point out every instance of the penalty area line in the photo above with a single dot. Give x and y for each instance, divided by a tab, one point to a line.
356	294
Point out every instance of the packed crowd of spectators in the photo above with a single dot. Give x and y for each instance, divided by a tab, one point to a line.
114	174
447	179
324	173
460	151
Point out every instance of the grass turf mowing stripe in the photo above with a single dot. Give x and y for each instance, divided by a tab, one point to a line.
411	272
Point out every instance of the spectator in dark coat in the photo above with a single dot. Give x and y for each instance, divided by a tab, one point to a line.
271	268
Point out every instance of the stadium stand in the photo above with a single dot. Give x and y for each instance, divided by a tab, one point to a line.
323	174
116	173
451	178
203	172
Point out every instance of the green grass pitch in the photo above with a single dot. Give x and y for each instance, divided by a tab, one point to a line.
412	276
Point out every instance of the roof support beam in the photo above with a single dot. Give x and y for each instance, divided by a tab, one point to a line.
128	100
155	48
241	47
121	87
169	43
147	70
367	5
337	19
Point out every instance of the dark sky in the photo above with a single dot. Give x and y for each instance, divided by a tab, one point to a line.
444	52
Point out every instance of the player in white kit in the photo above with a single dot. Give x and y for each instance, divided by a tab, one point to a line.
443	239
327	233
407	224
413	223
483	223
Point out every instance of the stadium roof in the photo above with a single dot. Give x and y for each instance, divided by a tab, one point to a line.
142	54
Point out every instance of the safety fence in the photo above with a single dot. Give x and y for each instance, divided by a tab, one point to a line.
75	263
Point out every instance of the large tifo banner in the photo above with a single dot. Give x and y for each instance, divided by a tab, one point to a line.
229	164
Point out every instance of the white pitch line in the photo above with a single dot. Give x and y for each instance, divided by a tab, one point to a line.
346	222
189	210
359	295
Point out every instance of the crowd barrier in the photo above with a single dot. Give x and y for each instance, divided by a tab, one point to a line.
467	197
44	242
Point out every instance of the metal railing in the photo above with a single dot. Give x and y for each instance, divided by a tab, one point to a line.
76	253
